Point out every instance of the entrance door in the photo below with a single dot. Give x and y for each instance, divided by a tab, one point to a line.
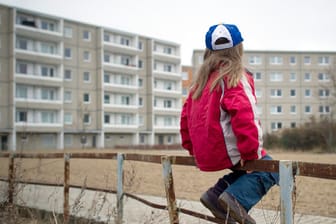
4	143
161	139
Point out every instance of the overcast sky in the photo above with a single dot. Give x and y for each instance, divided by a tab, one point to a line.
265	24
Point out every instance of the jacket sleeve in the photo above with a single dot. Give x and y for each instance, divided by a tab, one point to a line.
240	103
184	130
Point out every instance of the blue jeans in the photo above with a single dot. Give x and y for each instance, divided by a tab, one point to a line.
247	188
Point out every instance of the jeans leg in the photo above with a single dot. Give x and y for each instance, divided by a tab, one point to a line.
226	181
250	188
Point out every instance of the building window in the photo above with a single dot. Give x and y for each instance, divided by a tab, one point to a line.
67	96
47	71
276	93
86	77
275	60
86	56
125	60
125	100
292	60
167	68
184	76
324	109
276	125
293	109
106	58
67	74
86	35
106	78
125	41
140	101
292	92
86	119
257	76
140	45
184	91
106	119
142	138
22	68
307	76
276	109
68	32
48	94
323	93
292	76
21	92
276	77
255	60
323	77
67	53
86	98
21	116
307	93
167	104
323	60
106	99
22	44
140	63
306	60
140	82
107	37
67	118
48	25
167	50
308	109
258	93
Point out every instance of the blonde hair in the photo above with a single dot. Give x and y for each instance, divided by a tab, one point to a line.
229	63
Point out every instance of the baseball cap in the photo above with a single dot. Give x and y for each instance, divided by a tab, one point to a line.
222	36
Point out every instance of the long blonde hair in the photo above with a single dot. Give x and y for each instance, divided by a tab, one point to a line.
229	63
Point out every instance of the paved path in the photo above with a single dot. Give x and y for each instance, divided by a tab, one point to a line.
101	206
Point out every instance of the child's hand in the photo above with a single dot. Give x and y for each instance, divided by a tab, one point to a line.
242	163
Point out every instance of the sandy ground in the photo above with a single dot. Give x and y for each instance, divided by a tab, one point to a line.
314	196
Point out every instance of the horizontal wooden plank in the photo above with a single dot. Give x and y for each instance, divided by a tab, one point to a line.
319	170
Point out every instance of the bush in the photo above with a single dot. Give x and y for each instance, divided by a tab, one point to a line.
302	138
271	141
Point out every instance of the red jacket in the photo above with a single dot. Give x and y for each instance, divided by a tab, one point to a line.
219	129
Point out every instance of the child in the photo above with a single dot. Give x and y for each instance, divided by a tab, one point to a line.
220	127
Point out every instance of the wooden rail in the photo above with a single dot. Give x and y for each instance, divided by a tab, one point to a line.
287	170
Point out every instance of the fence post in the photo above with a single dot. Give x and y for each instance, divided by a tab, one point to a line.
66	186
120	192
169	187
11	177
286	191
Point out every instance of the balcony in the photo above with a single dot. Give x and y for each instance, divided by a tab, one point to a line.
37	26
38	51
171	75
120	43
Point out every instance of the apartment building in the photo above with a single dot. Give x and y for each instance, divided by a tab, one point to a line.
66	84
291	86
187	78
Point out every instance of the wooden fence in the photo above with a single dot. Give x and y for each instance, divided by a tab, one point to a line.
287	170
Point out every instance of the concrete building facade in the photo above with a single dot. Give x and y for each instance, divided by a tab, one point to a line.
291	86
66	84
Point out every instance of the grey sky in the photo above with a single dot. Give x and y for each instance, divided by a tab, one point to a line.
264	24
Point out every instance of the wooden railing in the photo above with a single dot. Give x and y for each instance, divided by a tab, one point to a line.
287	170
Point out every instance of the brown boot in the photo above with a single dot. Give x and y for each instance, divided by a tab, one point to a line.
235	209
210	200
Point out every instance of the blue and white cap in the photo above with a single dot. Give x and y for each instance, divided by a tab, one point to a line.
222	36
